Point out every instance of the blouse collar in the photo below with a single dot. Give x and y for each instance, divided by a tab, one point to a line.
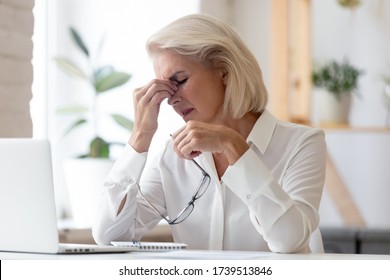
262	131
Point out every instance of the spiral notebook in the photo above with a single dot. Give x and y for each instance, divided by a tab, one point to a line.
151	246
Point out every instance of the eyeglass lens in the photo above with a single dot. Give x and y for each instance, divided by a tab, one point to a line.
190	206
203	185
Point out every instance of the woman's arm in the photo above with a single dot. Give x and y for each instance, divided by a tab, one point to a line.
284	211
119	213
122	214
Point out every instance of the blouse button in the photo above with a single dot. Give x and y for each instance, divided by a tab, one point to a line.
248	196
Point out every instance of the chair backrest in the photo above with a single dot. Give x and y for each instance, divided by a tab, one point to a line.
316	244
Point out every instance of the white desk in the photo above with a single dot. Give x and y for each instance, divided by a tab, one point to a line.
191	255
206	264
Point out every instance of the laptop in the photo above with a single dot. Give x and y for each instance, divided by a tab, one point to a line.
28	216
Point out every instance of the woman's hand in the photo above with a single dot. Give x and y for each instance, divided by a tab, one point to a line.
147	101
197	137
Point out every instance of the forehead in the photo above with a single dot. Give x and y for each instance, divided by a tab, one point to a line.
168	63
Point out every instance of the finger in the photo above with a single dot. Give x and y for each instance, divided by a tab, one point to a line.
186	145
167	83
189	152
156	99
177	138
146	92
146	97
163	85
191	144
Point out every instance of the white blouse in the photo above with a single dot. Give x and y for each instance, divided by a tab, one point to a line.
267	201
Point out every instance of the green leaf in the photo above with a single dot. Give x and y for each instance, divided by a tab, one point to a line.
115	79
73	109
79	41
123	121
337	78
83	156
74	125
99	148
70	67
103	72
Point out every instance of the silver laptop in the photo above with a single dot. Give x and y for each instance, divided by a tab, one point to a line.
28	216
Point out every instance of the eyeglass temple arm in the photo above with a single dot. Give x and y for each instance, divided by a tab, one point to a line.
200	167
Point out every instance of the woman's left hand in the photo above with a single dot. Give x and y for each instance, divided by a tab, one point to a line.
197	137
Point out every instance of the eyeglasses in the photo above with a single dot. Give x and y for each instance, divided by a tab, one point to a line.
183	214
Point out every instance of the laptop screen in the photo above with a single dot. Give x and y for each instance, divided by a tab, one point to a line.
27	206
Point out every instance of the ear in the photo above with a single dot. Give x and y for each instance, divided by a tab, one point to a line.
224	76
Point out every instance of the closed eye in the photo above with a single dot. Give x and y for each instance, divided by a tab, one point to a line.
182	81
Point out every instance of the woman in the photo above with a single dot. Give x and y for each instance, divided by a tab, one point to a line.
233	177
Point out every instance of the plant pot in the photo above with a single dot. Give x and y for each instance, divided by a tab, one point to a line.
84	180
328	110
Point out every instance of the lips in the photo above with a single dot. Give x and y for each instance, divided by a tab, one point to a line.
185	112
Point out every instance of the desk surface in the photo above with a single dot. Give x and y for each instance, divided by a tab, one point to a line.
191	255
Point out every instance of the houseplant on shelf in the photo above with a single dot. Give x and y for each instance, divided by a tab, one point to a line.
349	3
85	174
334	83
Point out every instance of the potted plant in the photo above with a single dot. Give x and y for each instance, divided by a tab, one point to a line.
85	174
335	83
101	79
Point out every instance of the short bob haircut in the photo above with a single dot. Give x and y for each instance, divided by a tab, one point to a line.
216	45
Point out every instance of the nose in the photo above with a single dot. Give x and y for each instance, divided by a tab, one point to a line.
175	99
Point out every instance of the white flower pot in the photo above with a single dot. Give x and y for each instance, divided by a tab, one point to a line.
84	180
328	110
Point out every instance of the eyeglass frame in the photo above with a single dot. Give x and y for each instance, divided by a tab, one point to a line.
205	180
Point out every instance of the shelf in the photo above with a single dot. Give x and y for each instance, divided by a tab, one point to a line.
343	127
346	127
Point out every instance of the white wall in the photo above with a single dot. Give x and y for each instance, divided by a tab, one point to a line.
251	20
363	160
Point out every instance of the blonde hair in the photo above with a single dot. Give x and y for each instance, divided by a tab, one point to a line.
215	44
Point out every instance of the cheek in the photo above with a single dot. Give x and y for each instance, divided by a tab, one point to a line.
218	93
206	93
192	92
212	100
